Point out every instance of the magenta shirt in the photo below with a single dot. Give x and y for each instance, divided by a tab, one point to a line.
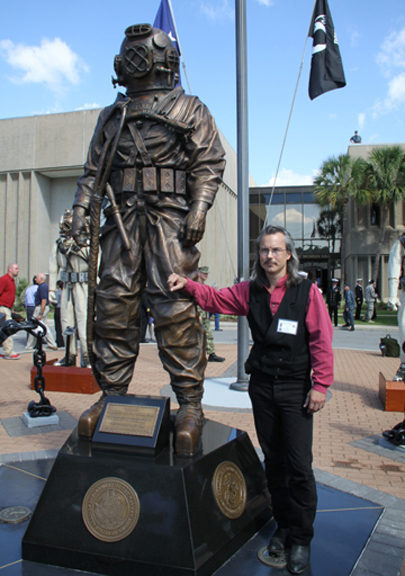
235	301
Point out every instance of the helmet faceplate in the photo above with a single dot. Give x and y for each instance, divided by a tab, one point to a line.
147	59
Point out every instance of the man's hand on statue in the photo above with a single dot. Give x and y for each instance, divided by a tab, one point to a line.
315	401
176	282
193	227
79	229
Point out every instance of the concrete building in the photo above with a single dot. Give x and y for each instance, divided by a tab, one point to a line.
41	158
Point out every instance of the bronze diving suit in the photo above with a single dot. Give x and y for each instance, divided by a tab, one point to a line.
163	171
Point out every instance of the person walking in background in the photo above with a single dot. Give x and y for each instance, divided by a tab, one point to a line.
371	297
150	328
7	296
30	298
359	298
290	367
205	321
41	312
333	299
349	308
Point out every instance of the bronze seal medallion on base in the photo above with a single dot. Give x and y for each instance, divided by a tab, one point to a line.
110	509
229	488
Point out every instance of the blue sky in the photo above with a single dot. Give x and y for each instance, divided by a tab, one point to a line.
58	57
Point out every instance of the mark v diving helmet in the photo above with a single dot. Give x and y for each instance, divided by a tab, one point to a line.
147	60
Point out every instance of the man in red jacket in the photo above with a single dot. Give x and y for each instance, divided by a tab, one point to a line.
7	297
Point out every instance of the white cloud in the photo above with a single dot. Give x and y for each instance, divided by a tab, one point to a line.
361	120
52	64
266	2
391	60
354	38
392	52
217	10
289	178
93	106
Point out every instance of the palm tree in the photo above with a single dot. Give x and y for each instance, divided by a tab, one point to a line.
329	227
339	180
385	180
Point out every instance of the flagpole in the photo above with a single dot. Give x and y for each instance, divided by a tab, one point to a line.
289	119
243	184
178	42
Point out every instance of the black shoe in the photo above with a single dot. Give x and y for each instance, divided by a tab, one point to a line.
298	559
214	358
351	329
278	541
345	325
275	554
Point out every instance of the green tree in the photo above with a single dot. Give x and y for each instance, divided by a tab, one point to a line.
385	181
19	303
339	180
329	227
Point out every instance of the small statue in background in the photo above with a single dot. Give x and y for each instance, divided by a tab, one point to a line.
69	263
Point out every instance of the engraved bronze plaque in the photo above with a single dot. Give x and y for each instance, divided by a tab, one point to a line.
110	509
14	514
129	419
229	489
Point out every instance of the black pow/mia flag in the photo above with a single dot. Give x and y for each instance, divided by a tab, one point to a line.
326	66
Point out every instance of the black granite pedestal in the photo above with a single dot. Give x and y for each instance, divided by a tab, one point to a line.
181	529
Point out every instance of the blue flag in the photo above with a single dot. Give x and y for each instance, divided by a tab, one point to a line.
164	21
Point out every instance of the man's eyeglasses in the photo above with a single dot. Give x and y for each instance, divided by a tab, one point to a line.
275	251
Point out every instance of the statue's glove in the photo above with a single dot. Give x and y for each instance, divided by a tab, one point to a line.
393	303
193	227
79	226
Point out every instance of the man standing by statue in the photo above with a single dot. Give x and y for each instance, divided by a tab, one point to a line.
69	263
396	281
157	157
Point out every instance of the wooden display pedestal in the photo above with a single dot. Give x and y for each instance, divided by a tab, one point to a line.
391	394
66	379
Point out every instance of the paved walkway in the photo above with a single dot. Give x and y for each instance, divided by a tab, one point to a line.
347	453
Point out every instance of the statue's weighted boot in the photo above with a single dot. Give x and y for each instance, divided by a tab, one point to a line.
187	429
88	420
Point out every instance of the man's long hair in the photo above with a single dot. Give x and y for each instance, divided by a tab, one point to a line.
259	277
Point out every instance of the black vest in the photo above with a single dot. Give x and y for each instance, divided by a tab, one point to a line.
278	354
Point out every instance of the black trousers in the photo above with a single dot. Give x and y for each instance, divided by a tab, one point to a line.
285	431
333	311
